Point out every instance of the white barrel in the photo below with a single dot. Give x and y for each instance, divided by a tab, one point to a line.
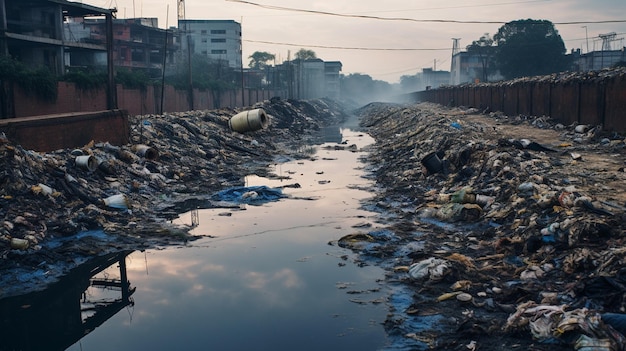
249	121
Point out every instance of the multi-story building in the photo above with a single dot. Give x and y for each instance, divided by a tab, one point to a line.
470	68
32	32
307	79
216	39
138	43
333	79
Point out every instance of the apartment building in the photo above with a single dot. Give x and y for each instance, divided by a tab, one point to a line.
216	39
139	43
32	32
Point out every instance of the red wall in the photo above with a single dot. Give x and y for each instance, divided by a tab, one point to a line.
585	101
135	101
53	132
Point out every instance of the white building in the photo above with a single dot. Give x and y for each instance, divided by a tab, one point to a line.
215	39
468	68
597	60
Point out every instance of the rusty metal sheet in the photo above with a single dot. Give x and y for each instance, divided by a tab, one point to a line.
497	98
447	97
525	98
509	102
485	97
541	99
615	105
472	97
592	103
564	106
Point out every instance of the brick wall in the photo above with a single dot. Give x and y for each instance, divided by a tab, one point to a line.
69	130
135	101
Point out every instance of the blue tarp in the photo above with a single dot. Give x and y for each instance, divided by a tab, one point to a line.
253	195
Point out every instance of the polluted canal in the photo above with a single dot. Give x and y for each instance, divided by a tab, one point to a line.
266	274
513	242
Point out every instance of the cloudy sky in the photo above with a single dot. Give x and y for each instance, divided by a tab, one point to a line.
362	35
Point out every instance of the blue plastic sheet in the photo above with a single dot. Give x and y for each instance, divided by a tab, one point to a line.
252	195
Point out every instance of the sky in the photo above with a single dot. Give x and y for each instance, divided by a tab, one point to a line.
384	39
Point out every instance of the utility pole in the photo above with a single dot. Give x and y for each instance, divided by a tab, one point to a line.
111	88
290	75
181	16
455	50
586	38
181	9
243	100
164	59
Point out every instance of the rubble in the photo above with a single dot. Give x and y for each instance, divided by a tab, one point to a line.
175	162
532	223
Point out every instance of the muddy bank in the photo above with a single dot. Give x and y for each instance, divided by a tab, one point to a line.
58	209
497	232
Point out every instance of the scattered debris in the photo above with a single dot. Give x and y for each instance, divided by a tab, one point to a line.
176	162
525	211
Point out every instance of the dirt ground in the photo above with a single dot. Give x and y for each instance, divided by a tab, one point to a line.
593	159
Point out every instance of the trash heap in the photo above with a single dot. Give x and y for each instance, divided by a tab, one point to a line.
175	162
509	230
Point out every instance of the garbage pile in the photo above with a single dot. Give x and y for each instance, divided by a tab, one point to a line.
175	162
510	229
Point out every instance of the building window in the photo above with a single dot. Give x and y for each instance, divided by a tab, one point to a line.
218	52
218	40
218	31
204	40
204	52
203	31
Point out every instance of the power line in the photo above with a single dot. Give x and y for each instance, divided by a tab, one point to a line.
460	6
344	47
281	8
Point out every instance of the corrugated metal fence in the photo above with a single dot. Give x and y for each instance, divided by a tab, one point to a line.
584	98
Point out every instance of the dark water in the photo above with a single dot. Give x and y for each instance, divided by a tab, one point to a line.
263	278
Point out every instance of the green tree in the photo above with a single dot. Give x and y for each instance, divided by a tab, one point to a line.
304	54
484	49
528	48
259	59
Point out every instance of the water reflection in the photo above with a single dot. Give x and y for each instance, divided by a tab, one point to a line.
264	278
68	310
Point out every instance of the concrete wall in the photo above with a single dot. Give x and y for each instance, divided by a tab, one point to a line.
53	132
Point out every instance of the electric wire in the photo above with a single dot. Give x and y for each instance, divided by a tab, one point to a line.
327	13
344	47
